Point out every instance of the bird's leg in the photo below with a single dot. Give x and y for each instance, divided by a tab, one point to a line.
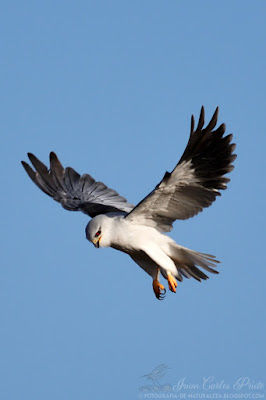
171	282
158	288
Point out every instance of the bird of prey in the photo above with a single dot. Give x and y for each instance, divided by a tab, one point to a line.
140	230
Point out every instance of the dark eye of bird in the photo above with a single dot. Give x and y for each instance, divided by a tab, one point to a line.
98	233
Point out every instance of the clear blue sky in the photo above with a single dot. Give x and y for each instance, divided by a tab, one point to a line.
110	86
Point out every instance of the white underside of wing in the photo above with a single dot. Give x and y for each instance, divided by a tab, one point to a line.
168	201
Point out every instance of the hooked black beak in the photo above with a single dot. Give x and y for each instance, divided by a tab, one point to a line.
96	241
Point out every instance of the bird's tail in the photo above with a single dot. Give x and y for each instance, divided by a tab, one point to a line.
186	260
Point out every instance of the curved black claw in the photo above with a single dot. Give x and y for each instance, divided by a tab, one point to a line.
162	295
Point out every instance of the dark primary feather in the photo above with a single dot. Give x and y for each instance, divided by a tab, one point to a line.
195	181
75	192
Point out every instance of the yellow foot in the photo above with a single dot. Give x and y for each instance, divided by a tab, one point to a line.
172	282
158	289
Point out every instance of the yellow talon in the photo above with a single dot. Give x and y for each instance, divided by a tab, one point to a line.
158	289
172	282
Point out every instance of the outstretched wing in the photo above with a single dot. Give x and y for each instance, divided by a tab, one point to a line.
75	192
195	181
